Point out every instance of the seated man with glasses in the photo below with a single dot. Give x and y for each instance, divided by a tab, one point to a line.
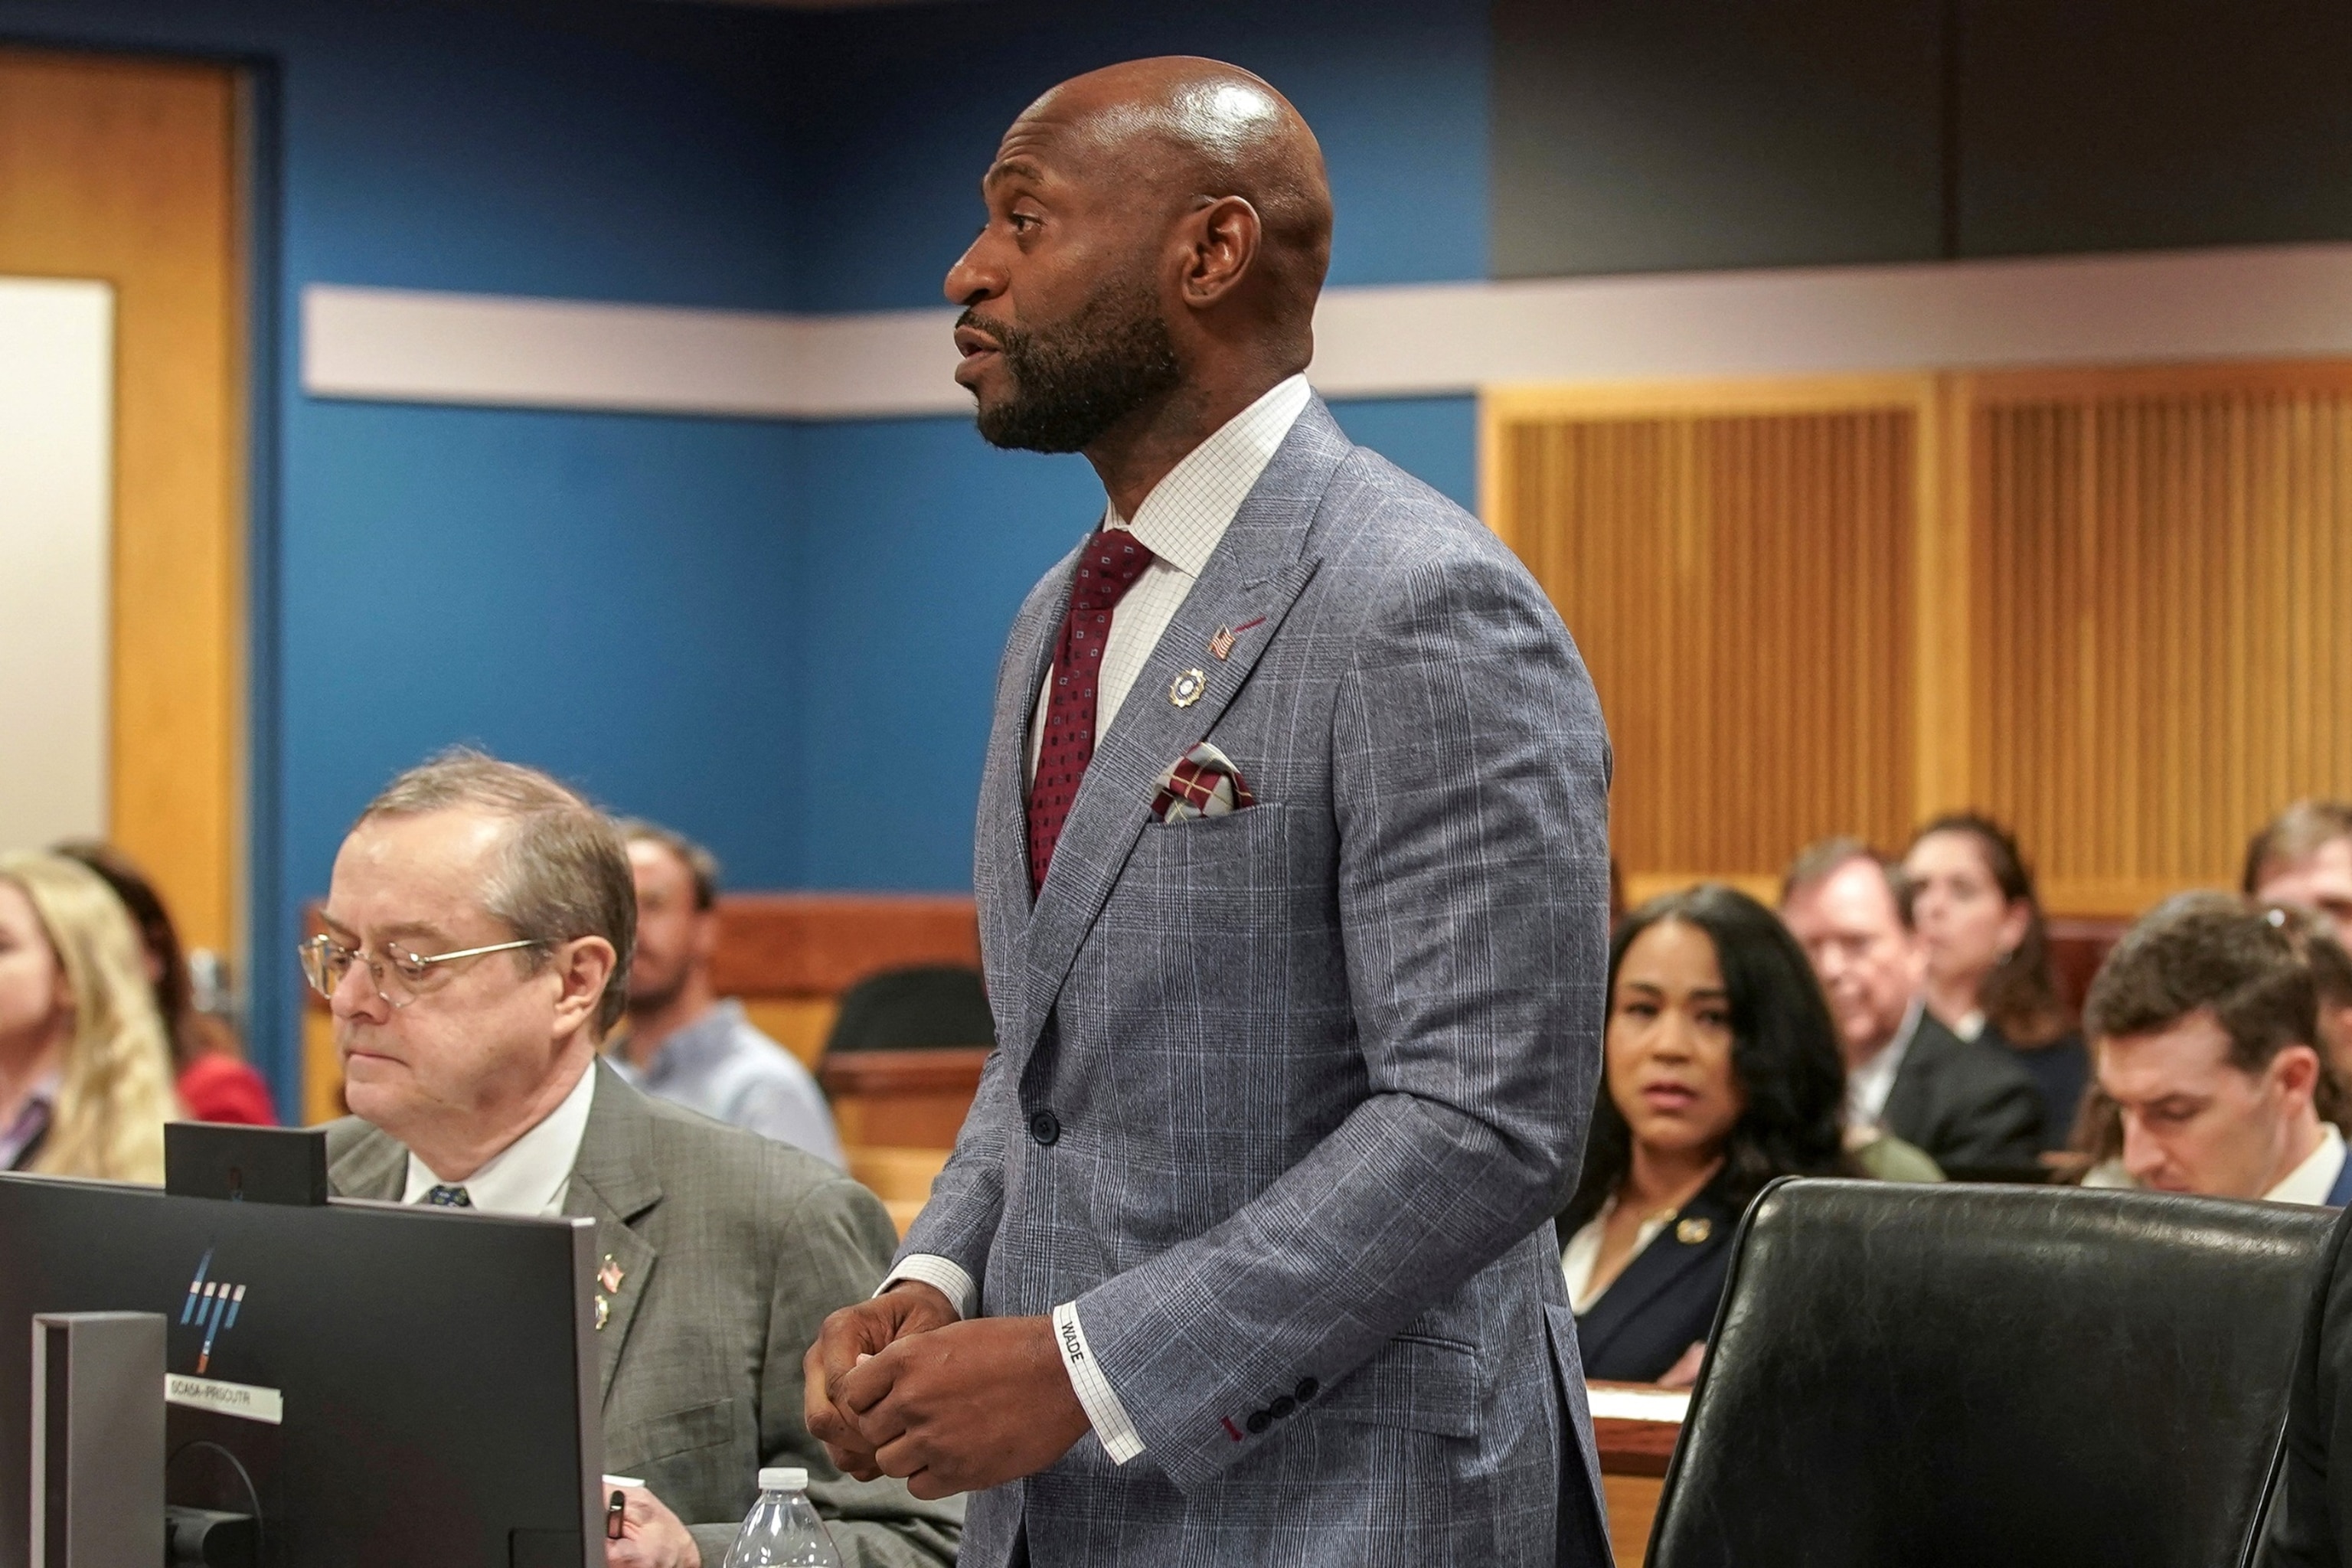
477	941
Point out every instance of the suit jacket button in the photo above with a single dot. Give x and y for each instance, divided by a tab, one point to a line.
1308	1389
1046	1127
1283	1405
1258	1422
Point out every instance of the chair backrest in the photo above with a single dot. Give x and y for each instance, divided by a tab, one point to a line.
929	1004
1949	1375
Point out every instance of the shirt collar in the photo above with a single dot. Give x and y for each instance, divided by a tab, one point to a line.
1187	513
530	1175
2311	1182
1869	1086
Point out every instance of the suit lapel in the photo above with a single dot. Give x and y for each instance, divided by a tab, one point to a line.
375	1166
613	1183
1257	572
1001	840
1655	1269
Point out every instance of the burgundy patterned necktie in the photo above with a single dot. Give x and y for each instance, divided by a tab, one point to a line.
1111	562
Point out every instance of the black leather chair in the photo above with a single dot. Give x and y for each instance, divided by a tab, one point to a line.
1939	1377
907	1009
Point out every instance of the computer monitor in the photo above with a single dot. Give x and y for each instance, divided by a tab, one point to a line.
383	1384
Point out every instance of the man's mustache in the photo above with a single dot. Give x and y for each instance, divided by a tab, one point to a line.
1002	331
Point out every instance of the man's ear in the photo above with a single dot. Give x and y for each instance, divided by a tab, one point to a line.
584	967
706	935
2295	1069
1221	244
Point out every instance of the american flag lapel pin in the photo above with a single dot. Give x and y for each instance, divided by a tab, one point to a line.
1222	644
610	1276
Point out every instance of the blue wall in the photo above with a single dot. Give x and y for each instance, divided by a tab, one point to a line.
779	637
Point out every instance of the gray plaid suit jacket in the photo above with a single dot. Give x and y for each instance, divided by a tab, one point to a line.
1283	1099
732	1250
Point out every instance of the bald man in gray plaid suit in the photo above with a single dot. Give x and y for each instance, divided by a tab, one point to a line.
1292	869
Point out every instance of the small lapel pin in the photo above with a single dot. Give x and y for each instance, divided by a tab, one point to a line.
604	1311
1695	1230
610	1276
1187	688
1222	644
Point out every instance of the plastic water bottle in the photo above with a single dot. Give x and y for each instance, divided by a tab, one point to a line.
782	1530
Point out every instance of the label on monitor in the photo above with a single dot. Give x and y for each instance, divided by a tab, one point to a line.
240	1399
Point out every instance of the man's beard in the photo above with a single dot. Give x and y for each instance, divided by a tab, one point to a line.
650	994
1075	379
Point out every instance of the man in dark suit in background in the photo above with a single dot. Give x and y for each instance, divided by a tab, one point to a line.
1965	1103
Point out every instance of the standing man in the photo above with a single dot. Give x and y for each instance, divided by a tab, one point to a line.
682	1042
1293	869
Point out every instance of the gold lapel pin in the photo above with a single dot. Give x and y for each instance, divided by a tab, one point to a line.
610	1274
1693	1231
1187	688
603	1311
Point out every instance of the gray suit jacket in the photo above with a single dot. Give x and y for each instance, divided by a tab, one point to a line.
1285	1100
731	1249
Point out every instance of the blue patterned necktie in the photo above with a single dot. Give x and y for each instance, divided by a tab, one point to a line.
449	1199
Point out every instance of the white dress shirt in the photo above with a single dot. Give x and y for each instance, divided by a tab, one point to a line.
1182	522
1867	1086
1578	1258
531	1175
2311	1182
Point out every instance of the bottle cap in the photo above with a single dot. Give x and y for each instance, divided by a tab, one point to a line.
784	1480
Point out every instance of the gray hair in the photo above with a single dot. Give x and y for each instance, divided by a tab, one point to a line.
700	863
561	872
1824	858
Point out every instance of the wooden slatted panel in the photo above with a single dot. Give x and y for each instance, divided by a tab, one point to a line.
1739	580
2160	559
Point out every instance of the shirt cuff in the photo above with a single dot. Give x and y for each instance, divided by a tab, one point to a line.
942	1274
1094	1397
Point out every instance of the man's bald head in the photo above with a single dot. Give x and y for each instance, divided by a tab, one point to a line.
1158	233
1194	130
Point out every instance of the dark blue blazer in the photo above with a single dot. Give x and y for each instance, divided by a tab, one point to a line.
1666	1300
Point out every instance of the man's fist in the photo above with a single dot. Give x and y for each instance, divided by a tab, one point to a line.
974	1404
854	1334
651	1536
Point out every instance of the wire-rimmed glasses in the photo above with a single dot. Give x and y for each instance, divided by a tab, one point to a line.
400	976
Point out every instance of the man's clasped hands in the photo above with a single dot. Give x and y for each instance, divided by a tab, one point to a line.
902	1385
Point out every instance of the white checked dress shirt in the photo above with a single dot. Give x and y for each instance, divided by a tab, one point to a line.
1181	522
531	1175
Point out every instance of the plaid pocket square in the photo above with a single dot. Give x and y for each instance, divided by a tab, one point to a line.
1203	781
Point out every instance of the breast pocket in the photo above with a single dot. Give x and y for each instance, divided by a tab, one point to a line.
1210	850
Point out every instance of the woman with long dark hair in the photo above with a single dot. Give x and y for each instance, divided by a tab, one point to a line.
1988	970
1722	1073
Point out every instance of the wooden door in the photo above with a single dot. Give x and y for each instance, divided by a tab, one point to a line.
128	171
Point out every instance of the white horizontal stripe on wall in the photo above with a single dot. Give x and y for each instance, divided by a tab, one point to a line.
406	346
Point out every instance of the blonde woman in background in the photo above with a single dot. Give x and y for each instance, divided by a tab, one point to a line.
85	1072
